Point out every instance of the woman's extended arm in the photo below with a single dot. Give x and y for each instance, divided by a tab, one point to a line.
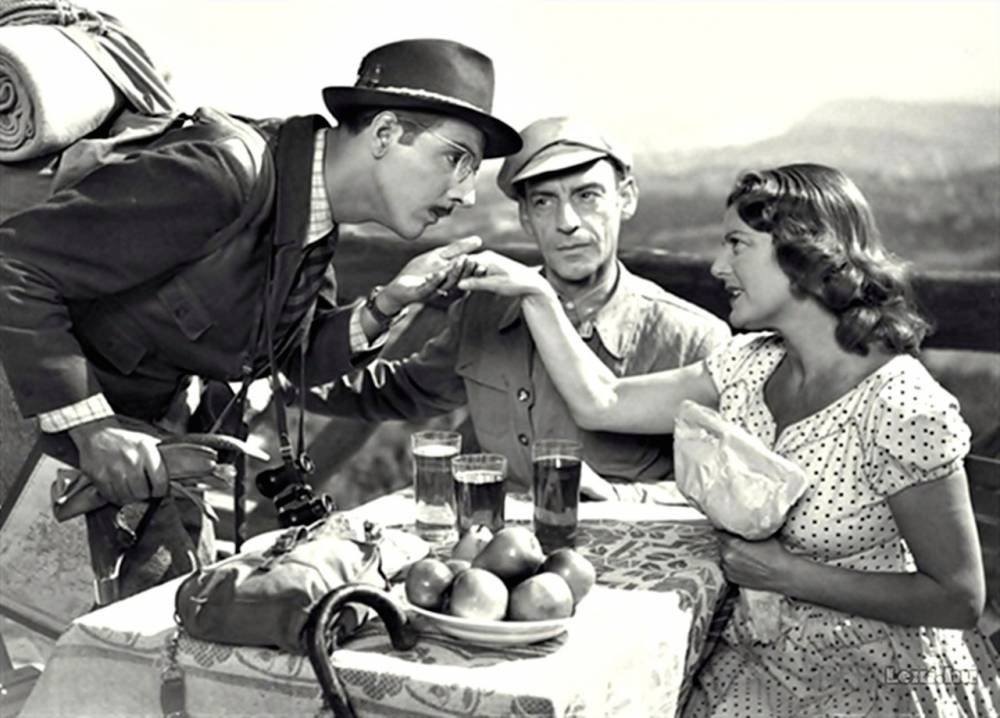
598	400
947	590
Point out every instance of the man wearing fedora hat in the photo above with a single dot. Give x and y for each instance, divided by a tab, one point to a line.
574	187
207	251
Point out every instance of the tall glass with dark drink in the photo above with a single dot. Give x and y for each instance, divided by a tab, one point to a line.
556	491
479	490
432	452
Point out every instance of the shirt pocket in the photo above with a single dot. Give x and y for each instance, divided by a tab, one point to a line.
185	307
106	332
488	395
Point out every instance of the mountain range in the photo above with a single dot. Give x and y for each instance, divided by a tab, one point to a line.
901	140
931	172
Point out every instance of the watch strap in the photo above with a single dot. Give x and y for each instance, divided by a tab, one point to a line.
380	317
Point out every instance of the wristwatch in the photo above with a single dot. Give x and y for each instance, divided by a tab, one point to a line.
382	319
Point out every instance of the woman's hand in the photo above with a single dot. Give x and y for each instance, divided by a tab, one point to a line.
501	275
762	565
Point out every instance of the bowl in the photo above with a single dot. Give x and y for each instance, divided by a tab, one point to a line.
493	633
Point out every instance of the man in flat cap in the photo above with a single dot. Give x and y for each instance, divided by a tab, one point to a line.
573	187
203	252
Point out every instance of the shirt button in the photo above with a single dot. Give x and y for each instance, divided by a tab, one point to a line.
523	439
523	394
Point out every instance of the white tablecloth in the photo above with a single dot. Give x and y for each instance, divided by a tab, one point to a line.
630	650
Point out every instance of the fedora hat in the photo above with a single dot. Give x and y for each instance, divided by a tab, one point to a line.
554	144
439	76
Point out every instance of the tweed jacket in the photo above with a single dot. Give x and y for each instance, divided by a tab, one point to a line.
152	266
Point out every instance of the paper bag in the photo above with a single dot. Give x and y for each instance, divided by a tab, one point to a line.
742	487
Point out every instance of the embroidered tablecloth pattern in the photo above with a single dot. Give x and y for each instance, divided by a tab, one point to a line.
630	650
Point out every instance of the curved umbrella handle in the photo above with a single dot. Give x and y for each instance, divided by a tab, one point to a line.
320	635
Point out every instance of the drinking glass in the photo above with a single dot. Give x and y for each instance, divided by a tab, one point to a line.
556	491
432	452
479	490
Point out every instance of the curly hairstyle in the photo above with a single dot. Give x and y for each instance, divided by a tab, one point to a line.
826	241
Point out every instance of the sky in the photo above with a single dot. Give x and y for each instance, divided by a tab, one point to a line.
666	75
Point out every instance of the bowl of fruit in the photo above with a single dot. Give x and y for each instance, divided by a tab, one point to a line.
500	589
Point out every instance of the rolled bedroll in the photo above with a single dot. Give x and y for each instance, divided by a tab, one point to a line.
64	71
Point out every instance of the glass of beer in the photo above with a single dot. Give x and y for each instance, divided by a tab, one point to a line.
432	453
479	490
556	491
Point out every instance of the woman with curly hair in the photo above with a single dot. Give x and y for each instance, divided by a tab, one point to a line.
878	565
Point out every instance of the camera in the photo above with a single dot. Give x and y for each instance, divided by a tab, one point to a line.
294	499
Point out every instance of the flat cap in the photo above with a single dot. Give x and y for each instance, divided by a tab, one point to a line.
553	144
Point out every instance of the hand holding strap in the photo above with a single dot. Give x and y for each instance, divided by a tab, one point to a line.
190	458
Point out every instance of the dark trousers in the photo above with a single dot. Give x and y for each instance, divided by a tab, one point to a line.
172	538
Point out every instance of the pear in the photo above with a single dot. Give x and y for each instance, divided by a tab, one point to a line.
577	571
427	582
479	595
457	565
513	554
474	540
540	597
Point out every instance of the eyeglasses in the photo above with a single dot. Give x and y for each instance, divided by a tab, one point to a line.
463	162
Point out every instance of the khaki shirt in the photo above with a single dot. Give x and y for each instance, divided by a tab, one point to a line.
485	359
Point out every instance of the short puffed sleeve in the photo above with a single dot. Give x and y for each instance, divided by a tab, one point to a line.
739	359
918	434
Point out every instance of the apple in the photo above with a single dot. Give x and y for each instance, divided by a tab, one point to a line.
472	542
426	583
477	593
458	565
513	555
543	596
575	570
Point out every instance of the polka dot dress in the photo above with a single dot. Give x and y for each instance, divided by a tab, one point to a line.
896	428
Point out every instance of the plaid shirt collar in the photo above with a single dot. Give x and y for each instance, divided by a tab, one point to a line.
320	215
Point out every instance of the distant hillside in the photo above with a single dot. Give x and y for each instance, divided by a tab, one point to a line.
891	139
930	170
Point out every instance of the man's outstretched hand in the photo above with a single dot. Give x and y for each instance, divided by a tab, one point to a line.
440	269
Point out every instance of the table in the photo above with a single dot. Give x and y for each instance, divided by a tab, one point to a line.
630	650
